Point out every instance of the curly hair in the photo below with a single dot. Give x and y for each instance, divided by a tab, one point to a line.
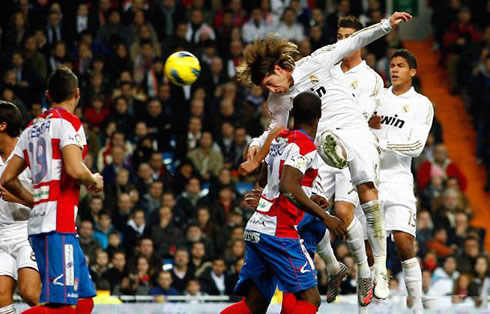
260	57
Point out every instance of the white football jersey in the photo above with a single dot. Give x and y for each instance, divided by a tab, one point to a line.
14	212
405	124
364	84
316	73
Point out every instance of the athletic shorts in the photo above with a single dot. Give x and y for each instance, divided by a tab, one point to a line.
311	230
363	154
399	206
272	261
15	250
338	182
64	273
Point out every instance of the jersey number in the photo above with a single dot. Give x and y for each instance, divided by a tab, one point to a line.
412	220
41	165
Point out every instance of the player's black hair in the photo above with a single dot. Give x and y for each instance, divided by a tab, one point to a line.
350	21
10	114
408	56
62	84
307	107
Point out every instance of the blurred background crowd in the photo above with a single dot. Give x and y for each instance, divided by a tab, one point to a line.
171	219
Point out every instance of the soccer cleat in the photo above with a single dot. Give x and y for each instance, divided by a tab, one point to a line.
332	150
381	286
365	290
334	283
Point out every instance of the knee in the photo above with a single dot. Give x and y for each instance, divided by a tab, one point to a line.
345	211
30	294
367	192
405	246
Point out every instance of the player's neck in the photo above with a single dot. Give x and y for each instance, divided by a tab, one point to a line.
349	63
308	129
402	89
68	105
7	145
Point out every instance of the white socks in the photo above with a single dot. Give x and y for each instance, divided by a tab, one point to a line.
9	309
376	232
355	242
325	251
413	280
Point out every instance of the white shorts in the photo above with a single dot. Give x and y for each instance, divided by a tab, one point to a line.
338	182
363	154
400	206
15	250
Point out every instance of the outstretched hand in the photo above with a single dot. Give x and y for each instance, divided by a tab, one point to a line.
399	17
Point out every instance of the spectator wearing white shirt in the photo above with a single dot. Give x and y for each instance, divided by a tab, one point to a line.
289	28
197	29
255	28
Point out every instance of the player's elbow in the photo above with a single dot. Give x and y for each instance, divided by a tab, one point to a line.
5	180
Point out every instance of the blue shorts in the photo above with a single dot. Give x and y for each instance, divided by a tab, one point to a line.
270	261
312	230
64	273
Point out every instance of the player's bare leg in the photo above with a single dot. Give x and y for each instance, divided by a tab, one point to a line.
355	242
29	285
7	287
376	232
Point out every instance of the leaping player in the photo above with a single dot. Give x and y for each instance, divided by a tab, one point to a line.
270	64
17	261
53	147
274	252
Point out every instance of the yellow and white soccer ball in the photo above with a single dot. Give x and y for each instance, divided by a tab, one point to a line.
182	68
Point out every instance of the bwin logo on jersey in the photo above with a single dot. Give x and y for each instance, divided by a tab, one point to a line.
320	91
394	121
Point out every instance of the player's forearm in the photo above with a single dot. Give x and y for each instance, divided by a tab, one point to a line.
411	148
22	195
361	38
82	174
297	196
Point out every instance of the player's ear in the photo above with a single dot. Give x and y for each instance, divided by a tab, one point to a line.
3	126
278	69
413	71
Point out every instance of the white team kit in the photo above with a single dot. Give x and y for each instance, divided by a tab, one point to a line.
340	113
365	85
405	124
15	250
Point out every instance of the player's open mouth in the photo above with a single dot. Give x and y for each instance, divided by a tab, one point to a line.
394	77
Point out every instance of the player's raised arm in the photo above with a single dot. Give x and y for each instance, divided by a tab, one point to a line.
11	183
290	187
76	168
329	55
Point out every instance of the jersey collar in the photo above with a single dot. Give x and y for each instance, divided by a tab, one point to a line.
406	94
355	69
304	132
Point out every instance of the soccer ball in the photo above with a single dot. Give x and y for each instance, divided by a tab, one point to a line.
182	68
332	150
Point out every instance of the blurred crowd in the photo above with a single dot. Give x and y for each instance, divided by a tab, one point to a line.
462	34
171	219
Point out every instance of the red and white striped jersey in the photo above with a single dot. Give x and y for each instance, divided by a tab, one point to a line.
55	193
276	215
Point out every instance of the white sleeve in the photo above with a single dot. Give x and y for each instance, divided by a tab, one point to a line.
70	136
21	145
368	98
279	116
296	160
329	55
418	136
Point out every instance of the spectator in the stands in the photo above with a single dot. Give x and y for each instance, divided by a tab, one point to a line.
213	279
180	272
166	235
164	285
88	243
467	259
444	277
442	161
135	229
118	269
121	214
103	228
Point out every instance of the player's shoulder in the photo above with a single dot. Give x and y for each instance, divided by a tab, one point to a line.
421	100
72	119
300	139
